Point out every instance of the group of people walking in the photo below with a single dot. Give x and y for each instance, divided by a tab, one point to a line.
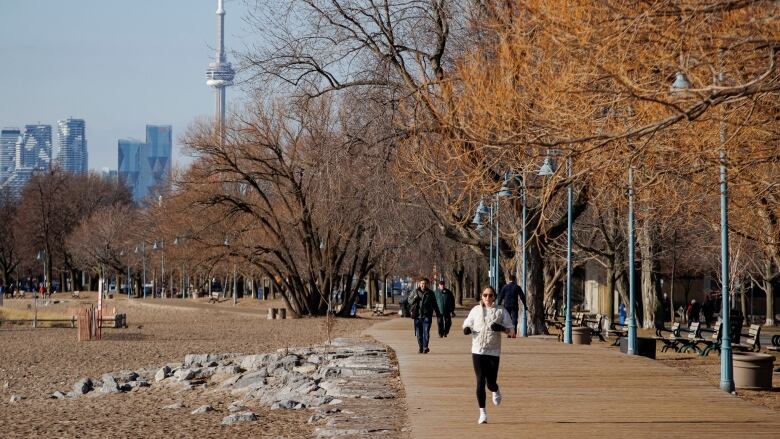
496	314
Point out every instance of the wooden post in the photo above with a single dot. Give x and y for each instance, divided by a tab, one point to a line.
282	313
271	313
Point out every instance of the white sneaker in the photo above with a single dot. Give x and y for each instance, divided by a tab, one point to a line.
497	398
482	418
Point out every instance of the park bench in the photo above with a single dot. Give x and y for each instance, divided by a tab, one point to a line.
683	344
709	343
596	325
670	340
578	319
775	344
214	297
379	310
753	342
617	330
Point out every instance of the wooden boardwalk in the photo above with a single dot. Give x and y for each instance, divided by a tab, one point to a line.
553	390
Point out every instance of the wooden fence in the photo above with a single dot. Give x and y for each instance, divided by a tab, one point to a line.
89	327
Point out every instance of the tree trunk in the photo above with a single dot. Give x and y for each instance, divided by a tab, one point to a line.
611	292
649	289
769	289
535	294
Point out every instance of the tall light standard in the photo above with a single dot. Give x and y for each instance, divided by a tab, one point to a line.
478	222
506	191
161	247
681	85
142	249
235	283
632	326
547	170
129	289
41	257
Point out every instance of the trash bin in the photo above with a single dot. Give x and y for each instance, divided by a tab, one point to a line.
580	335
753	370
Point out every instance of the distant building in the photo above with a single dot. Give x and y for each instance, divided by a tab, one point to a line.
8	139
33	150
110	174
145	166
71	152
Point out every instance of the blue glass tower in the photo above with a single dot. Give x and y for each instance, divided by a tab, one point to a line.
8	139
145	167
71	152
33	150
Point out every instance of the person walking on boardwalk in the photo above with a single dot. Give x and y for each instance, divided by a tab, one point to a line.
445	300
508	298
422	305
485	323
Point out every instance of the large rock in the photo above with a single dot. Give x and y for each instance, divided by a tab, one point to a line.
15	398
109	384
124	376
202	409
82	386
306	368
239	417
162	374
185	374
253	379
175	406
57	395
255	362
201	359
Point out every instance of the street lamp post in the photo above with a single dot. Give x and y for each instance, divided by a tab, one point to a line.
680	85
523	318
143	259
547	170
162	266
632	326
506	191
235	285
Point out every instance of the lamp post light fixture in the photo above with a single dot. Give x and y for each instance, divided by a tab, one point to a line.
142	249
547	170
680	86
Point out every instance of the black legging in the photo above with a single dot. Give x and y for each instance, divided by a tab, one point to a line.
486	369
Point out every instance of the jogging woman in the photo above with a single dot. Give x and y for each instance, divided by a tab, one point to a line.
486	322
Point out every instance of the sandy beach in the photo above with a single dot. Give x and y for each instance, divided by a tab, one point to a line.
35	363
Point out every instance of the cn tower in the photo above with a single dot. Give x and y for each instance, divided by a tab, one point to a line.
220	73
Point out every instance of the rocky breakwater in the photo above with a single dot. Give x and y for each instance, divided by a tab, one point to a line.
351	386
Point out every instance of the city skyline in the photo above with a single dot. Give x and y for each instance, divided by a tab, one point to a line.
116	74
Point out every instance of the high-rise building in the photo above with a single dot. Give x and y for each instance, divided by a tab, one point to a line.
33	150
146	166
71	151
8	139
220	73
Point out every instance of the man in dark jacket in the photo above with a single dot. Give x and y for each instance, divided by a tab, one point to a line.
508	298
445	300
422	305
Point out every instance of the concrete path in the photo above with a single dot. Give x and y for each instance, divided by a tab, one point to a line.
554	390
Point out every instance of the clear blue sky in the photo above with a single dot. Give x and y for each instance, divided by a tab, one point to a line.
117	64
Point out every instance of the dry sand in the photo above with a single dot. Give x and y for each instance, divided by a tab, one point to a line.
35	363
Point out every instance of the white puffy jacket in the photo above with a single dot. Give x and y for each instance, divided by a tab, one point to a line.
485	341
